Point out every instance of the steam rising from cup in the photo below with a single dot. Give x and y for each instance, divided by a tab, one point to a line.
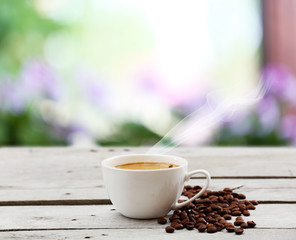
208	117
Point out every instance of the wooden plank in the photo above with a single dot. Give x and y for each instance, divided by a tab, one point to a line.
155	234
104	216
54	163
259	189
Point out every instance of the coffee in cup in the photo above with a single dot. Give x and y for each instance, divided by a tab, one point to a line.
146	165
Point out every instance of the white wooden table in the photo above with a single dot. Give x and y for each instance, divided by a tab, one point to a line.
58	193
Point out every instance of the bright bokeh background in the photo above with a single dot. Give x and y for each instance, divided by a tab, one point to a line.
124	72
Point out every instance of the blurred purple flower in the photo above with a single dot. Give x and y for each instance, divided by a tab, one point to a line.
91	86
12	98
190	95
39	79
280	83
239	123
70	132
288	128
268	112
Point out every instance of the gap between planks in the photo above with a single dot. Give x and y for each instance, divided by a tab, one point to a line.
82	229
94	202
246	177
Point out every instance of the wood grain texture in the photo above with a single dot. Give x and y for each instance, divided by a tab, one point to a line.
42	174
259	189
148	234
36	164
73	176
104	216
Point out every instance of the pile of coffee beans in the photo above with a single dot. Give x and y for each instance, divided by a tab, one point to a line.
212	212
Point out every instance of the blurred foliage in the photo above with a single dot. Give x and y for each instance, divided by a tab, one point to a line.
22	33
226	138
254	136
26	129
131	134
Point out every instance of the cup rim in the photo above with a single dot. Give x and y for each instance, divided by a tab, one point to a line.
143	154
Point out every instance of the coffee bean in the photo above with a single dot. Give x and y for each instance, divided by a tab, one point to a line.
223	221
244	225
173	224
206	193
211	229
191	205
235	209
219	226
221	193
238	222
236	213
241	196
239	231
183	215
233	204
224	205
222	212
192	219
198	224
246	213
207	201
227	189
216	207
214	199
179	226
251	207
242	207
230	229
189	226
235	195
251	224
227	216
228	224
162	220
201	207
254	202
169	229
172	218
177	212
201	220
197	187
186	193
212	220
184	221
188	187
239	218
202	228
211	214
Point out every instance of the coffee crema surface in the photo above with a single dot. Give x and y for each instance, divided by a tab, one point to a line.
146	165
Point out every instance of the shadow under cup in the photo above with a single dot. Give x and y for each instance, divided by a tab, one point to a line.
144	194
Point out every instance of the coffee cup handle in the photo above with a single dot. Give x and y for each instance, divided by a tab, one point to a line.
187	177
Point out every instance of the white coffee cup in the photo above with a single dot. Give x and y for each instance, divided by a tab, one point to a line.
146	194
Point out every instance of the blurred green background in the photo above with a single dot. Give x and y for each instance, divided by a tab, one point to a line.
126	72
